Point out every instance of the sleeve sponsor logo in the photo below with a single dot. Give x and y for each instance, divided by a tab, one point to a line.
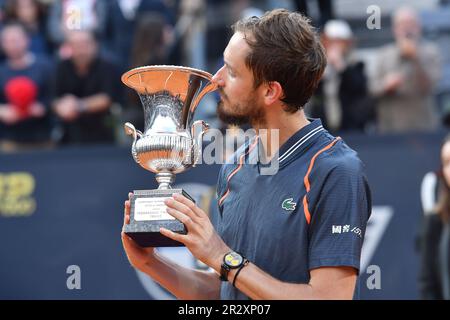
339	229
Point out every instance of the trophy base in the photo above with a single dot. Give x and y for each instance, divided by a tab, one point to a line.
148	214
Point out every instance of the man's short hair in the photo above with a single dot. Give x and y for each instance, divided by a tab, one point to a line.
284	48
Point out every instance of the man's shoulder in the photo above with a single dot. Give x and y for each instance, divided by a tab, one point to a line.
339	158
65	64
43	60
387	49
42	65
391	49
430	49
105	63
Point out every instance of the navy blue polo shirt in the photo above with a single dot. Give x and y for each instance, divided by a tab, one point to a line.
311	213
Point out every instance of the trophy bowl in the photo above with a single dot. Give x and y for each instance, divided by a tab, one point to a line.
170	144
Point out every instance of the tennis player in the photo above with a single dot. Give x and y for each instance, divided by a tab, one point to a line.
295	234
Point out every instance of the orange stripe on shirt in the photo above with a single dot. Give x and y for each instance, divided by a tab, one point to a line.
306	179
241	162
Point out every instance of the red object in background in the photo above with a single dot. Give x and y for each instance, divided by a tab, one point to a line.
21	93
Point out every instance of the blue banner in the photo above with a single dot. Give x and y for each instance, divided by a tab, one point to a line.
61	214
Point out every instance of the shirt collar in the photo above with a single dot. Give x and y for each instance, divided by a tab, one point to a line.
295	144
299	140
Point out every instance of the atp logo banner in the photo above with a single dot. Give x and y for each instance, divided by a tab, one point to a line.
16	194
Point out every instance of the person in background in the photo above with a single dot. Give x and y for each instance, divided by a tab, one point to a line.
152	41
405	75
220	14
434	276
122	23
24	100
32	15
191	31
342	100
325	8
151	46
83	92
72	15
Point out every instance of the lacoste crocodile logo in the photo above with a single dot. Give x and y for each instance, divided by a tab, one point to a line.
288	204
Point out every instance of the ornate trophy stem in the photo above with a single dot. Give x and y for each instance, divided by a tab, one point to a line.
165	179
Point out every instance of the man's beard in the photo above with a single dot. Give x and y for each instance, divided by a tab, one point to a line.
254	114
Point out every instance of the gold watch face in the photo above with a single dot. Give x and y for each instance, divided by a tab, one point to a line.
233	259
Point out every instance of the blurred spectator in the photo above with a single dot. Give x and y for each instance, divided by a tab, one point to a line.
220	15
434	280
31	14
342	100
24	116
2	10
73	15
405	76
207	109
83	91
123	17
152	42
191	28
325	7
2	21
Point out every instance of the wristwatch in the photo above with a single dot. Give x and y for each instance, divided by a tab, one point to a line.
231	260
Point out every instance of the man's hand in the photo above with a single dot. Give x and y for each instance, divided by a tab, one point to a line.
408	48
37	110
67	108
392	82
9	115
137	255
201	239
336	56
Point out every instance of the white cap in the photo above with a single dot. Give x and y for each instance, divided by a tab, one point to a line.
338	29
251	12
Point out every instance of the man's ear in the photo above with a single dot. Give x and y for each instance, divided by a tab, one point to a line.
273	92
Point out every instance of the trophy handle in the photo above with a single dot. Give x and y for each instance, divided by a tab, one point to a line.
198	129
131	131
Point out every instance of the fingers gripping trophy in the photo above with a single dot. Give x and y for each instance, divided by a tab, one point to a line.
170	144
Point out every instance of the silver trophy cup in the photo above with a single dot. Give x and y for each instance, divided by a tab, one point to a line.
171	143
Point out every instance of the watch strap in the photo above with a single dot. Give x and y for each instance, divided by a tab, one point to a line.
246	262
224	270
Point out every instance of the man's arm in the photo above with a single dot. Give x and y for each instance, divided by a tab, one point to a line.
70	107
325	282
96	103
427	69
184	283
334	283
8	115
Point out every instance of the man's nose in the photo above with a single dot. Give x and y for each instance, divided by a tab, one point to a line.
217	78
